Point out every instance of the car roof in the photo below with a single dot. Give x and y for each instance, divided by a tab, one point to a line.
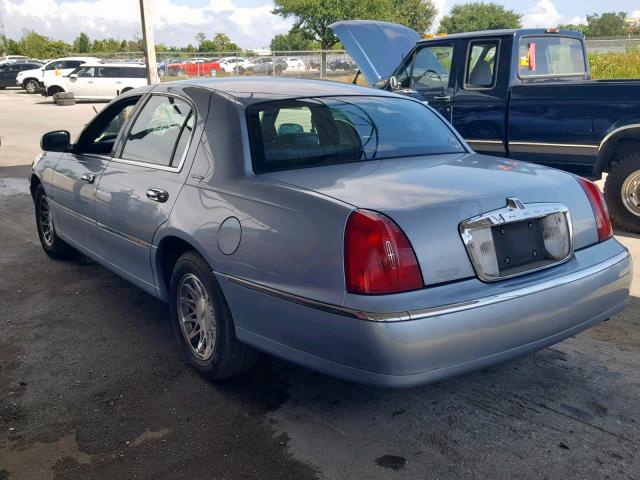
518	32
113	64
250	90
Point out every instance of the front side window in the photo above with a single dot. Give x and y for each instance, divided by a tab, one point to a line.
550	56
71	64
431	67
323	131
481	64
101	134
85	72
54	66
155	136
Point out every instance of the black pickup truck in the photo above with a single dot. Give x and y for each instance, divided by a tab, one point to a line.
522	94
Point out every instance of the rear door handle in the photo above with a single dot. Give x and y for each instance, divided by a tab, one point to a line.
157	195
443	98
88	177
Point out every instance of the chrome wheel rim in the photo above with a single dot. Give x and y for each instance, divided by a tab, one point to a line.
631	193
30	87
197	320
46	222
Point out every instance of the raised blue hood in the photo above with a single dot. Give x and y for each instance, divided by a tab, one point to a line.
377	47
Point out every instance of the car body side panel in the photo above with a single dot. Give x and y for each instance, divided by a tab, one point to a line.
564	123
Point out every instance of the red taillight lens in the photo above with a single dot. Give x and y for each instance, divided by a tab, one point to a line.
378	258
599	207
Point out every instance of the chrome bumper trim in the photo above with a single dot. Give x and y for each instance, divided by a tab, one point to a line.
433	311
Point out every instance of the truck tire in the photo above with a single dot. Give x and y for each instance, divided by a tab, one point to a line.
66	102
622	192
63	96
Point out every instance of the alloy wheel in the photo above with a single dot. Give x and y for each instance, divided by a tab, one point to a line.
46	222
197	318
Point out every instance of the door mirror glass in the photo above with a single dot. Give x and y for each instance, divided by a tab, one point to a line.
394	84
56	141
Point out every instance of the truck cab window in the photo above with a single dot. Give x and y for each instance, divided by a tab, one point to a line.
548	56
481	64
431	67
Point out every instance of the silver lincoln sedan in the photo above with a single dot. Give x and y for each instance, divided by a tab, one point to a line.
349	230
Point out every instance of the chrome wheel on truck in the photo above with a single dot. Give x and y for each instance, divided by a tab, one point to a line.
631	193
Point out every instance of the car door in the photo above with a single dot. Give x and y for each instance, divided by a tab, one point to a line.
82	82
427	76
77	173
139	187
6	72
480	105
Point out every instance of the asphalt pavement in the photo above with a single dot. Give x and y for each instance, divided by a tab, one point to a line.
92	385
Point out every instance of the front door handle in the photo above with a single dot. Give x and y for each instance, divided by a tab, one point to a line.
157	195
443	98
88	177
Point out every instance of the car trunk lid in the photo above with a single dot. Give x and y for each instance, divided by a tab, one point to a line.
430	196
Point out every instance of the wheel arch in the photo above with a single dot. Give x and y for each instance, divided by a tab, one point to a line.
34	183
53	89
170	248
614	145
24	81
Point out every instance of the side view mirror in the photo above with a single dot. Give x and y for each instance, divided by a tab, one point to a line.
56	141
73	75
394	84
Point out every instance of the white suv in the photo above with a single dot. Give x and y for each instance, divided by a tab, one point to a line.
233	64
99	81
33	80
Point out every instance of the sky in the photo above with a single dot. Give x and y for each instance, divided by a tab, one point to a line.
249	23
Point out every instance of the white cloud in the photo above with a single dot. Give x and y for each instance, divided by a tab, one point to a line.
441	7
542	14
174	24
634	14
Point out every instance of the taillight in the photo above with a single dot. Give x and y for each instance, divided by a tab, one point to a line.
378	258
599	208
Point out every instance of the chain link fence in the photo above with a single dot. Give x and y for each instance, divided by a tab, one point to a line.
612	45
330	65
315	64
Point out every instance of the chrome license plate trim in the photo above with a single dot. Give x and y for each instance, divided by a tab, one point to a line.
515	211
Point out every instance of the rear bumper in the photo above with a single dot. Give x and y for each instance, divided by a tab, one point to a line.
434	343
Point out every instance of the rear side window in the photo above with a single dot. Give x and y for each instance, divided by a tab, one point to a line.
481	64
550	56
156	136
323	131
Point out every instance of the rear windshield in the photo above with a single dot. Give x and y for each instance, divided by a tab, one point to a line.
323	131
551	56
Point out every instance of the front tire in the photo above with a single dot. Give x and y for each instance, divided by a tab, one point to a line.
622	192
52	245
31	86
202	321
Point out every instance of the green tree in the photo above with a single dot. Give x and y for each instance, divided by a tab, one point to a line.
576	27
313	17
294	40
220	43
416	14
606	25
82	43
471	17
35	45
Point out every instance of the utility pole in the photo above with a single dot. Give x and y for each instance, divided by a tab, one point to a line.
149	43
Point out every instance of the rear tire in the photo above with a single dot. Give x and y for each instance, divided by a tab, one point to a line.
622	192
52	245
202	321
31	86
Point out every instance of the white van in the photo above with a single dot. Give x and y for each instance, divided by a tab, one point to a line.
33	80
99	81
